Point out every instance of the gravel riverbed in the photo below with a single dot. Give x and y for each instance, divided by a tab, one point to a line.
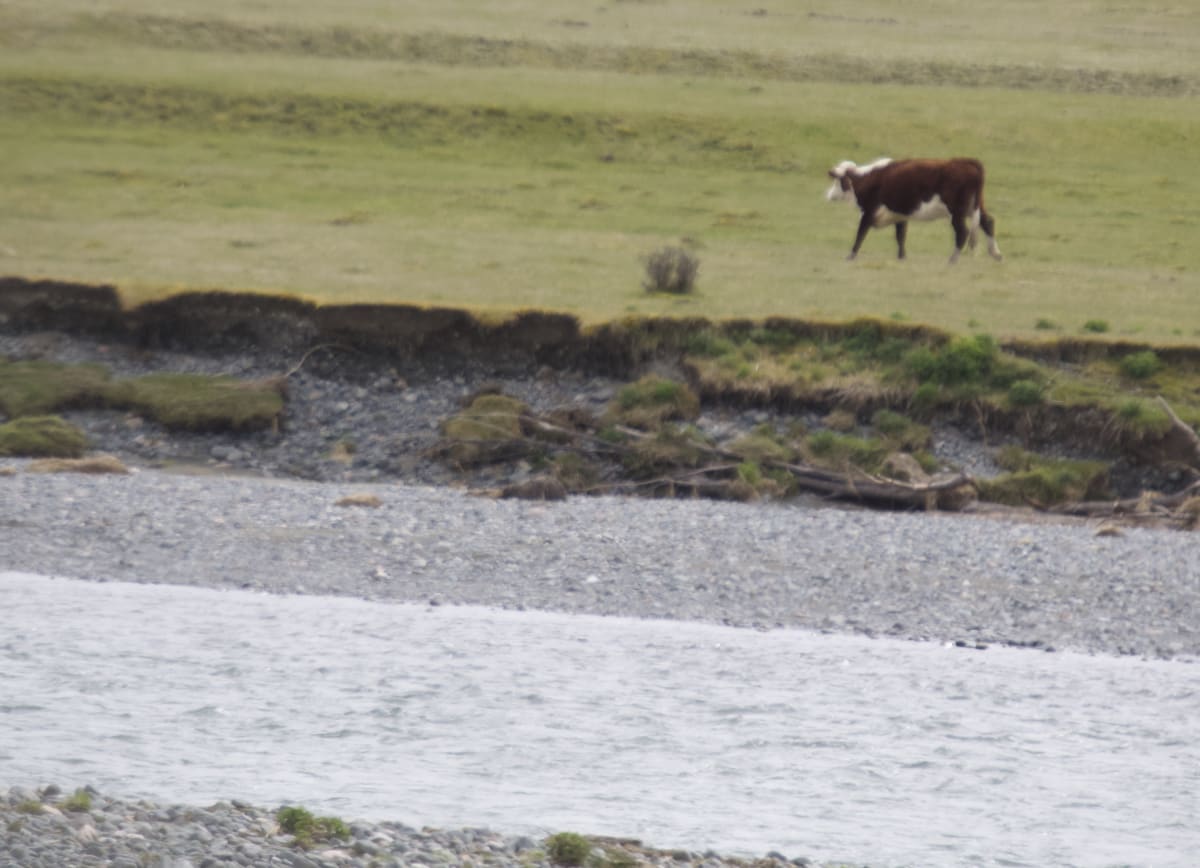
47	828
266	512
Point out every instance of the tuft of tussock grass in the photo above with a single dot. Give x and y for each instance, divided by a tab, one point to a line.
651	401
79	802
186	401
1036	480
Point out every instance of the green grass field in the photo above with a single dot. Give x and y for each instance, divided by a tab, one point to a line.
514	155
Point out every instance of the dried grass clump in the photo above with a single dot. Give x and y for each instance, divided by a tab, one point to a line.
362	499
93	464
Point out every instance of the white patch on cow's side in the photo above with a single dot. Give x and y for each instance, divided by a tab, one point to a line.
934	209
931	210
884	216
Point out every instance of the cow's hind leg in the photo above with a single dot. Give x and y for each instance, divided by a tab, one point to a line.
901	235
961	234
989	229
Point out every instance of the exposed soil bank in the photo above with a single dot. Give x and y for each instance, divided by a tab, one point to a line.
370	388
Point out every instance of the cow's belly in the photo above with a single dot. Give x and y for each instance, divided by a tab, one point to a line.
934	209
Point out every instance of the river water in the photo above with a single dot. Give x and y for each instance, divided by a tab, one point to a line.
681	734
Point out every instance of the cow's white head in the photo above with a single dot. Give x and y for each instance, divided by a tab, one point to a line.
840	189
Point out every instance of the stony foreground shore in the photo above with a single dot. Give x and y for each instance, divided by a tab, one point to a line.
952	579
48	828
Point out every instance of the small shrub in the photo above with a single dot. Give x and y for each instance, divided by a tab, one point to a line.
41	437
1045	325
760	446
1142	418
574	471
840	420
568	848
668	449
30	806
489	417
838	450
925	399
709	345
1096	326
672	270
1025	393
79	802
775	339
965	363
1141	366
749	472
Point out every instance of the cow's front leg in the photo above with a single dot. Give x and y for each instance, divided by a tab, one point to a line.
863	226
901	234
961	233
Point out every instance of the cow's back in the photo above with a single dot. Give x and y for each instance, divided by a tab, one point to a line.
904	186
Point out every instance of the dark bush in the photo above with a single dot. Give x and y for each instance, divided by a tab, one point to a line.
671	269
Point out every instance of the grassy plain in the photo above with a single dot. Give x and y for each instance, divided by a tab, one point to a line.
514	155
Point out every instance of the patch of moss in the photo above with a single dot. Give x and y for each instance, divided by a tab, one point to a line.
199	403
35	388
41	437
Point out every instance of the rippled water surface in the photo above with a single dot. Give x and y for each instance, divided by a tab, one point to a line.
681	734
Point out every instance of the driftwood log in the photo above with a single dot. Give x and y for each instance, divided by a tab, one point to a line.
717	478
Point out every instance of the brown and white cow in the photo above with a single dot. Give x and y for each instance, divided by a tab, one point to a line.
892	192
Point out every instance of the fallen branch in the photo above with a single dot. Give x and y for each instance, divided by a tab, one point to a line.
1147	504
